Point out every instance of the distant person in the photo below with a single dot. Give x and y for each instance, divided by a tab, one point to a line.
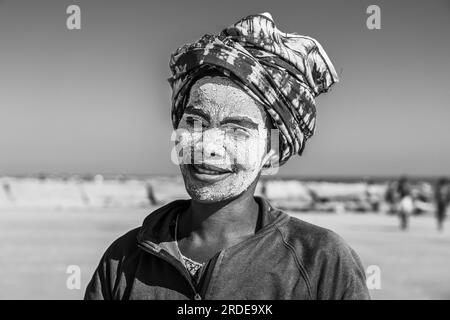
228	91
405	202
391	197
7	190
150	194
442	196
372	197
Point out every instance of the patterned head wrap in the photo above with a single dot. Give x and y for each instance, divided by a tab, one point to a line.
284	71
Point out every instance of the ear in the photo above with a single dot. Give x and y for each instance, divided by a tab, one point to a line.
270	163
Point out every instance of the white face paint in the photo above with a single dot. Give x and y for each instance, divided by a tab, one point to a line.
225	128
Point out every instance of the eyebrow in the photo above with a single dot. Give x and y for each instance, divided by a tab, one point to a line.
198	112
242	121
238	120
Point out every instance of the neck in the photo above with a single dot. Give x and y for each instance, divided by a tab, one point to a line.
224	219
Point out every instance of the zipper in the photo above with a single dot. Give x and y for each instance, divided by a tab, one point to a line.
157	252
206	278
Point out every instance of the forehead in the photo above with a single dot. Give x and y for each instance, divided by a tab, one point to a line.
220	97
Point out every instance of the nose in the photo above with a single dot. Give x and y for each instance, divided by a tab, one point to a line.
213	144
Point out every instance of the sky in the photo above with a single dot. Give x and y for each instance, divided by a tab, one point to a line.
96	100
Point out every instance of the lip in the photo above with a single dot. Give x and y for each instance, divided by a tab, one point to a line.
208	173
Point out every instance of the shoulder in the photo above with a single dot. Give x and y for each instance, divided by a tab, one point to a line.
124	246
315	246
104	282
121	255
311	238
332	267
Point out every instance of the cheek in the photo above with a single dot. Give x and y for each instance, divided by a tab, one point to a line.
183	144
247	154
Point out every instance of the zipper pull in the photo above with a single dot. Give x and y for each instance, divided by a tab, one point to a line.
197	297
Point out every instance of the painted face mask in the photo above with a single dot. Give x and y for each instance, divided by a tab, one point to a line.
222	139
284	71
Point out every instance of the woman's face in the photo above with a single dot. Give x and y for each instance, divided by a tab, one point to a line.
222	138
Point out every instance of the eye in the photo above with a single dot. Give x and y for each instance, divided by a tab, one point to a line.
191	122
237	132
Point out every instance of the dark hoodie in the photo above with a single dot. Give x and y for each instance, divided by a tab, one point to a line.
285	259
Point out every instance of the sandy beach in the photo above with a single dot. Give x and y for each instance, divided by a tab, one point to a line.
37	246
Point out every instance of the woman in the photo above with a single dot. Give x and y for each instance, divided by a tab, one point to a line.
229	91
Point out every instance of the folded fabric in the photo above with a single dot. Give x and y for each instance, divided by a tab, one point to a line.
284	71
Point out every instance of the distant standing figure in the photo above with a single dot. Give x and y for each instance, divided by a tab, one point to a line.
390	197
7	190
150	194
442	195
405	204
372	196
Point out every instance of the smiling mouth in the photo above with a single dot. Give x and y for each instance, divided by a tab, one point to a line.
208	169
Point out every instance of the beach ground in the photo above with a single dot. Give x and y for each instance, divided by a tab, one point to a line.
38	246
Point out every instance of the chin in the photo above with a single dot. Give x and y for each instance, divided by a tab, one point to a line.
225	189
209	195
215	193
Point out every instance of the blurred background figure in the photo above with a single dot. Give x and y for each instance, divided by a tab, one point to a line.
405	202
150	194
372	196
442	194
390	197
7	190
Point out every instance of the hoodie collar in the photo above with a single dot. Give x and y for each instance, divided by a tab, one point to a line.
157	231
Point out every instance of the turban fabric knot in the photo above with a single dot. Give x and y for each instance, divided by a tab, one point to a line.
283	71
